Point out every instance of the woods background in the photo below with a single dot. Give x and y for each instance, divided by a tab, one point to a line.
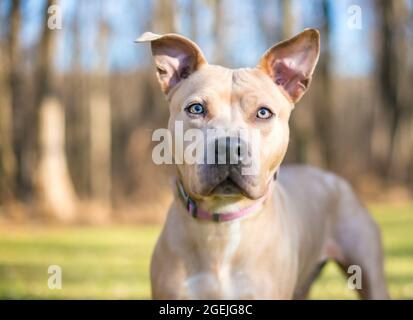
78	104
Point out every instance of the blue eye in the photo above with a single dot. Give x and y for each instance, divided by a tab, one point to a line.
196	109
264	113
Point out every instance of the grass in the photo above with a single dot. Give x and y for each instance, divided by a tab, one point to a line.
113	262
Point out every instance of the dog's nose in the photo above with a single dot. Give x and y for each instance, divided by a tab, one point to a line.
228	150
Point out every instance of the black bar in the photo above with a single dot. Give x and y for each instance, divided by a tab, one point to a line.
145	309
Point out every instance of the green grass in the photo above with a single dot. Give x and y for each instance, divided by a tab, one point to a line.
113	262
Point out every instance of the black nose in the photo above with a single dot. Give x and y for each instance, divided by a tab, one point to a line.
228	150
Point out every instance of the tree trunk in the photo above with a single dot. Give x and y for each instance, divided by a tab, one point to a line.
100	124
9	56
193	16
266	10
219	53
165	19
20	113
287	31
7	160
392	71
299	131
54	186
324	120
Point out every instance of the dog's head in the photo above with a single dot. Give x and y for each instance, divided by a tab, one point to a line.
225	104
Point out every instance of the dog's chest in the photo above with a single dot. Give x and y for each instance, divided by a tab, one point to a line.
229	282
222	269
221	284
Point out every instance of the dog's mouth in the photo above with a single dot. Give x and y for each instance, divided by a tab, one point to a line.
227	181
227	187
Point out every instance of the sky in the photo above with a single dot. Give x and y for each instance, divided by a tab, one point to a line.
352	48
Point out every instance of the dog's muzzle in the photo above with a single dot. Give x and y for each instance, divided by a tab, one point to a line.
225	169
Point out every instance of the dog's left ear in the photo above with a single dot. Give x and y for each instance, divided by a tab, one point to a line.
291	63
176	57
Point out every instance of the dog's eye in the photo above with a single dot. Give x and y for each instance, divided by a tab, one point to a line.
195	109
264	113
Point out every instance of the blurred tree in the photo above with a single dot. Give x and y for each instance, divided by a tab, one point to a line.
77	111
163	21
193	16
266	13
54	188
9	86
393	74
219	56
324	120
165	16
287	30
299	135
100	120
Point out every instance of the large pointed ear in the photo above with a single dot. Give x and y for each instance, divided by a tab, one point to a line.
176	57
291	63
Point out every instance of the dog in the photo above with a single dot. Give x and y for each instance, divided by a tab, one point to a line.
260	236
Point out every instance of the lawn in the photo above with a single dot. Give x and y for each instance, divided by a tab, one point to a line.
113	262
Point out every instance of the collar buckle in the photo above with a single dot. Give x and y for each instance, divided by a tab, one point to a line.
191	207
189	203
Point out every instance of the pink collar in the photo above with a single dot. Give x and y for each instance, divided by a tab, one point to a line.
196	212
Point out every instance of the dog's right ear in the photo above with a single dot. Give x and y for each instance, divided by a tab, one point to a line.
176	58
